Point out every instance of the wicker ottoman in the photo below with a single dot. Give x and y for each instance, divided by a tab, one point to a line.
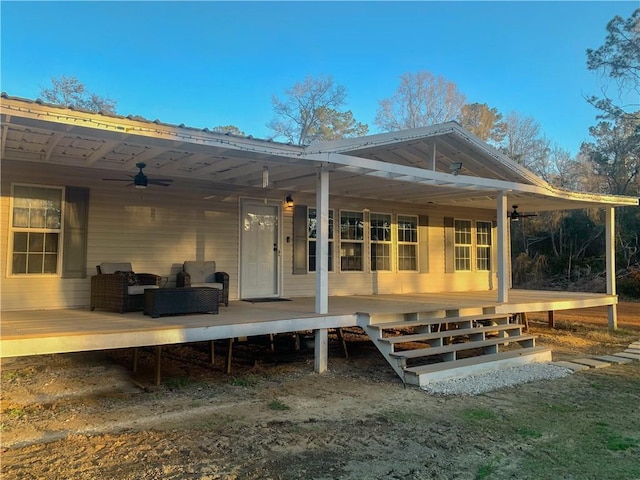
176	301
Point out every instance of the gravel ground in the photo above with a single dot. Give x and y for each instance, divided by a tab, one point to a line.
487	382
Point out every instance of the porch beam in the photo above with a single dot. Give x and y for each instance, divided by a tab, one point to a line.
610	245
503	248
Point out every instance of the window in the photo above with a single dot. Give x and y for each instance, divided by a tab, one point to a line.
380	231
462	243
483	245
311	228
407	242
36	228
351	241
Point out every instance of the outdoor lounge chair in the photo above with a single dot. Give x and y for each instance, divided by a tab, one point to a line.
204	274
118	288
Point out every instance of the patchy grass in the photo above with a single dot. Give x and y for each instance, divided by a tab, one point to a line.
276	404
248	381
479	414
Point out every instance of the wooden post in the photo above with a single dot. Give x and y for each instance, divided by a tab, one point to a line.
229	353
321	350
552	320
134	367
158	363
212	352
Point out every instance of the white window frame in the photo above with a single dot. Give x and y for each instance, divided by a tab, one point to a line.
35	230
463	243
403	243
375	242
311	239
353	241
484	243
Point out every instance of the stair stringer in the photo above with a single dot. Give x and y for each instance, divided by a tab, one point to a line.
457	369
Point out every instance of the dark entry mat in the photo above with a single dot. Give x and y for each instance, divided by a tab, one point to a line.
266	299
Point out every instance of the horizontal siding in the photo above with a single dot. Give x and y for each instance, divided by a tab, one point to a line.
157	229
365	283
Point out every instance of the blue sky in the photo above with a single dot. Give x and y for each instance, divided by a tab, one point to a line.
218	63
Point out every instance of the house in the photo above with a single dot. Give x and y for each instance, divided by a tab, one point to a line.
422	211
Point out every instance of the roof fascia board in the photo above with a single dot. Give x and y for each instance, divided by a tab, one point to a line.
381	139
390	138
68	119
392	171
494	153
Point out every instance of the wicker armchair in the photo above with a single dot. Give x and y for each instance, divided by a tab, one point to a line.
118	289
204	274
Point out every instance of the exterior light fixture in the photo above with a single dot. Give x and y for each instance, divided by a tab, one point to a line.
289	201
455	167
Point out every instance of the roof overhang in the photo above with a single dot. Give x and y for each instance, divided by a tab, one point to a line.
411	166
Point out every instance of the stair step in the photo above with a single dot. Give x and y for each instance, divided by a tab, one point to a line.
437	321
450	333
456	347
423	374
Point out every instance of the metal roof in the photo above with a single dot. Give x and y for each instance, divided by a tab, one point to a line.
411	166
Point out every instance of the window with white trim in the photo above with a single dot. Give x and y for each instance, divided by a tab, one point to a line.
462	245
312	233
36	228
407	243
351	241
483	245
380	238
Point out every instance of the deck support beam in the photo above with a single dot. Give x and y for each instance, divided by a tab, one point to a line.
610	234
322	267
503	248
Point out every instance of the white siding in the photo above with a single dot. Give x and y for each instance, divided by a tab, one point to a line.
365	283
157	229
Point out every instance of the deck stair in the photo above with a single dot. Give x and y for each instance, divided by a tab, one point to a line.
423	347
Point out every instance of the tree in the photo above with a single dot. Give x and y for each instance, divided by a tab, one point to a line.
524	143
311	112
421	100
231	129
619	59
70	92
484	122
615	155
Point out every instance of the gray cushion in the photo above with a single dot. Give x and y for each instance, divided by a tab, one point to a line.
201	272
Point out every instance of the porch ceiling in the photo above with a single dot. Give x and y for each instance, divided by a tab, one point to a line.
407	167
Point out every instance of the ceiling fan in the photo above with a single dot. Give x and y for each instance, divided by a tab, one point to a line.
515	216
140	180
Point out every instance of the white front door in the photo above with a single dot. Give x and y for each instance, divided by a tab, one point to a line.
259	249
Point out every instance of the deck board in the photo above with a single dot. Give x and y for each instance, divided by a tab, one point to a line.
33	332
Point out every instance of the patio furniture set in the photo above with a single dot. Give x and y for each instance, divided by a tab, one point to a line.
199	289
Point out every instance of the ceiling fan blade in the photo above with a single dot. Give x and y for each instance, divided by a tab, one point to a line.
116	179
164	182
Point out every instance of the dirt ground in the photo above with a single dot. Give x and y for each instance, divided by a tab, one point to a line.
87	416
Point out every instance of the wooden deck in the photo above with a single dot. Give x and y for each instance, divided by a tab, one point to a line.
37	332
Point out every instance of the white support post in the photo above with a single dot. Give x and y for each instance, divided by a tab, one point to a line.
610	232
321	353
433	157
322	242
321	344
503	249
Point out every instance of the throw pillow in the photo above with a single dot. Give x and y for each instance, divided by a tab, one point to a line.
131	277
